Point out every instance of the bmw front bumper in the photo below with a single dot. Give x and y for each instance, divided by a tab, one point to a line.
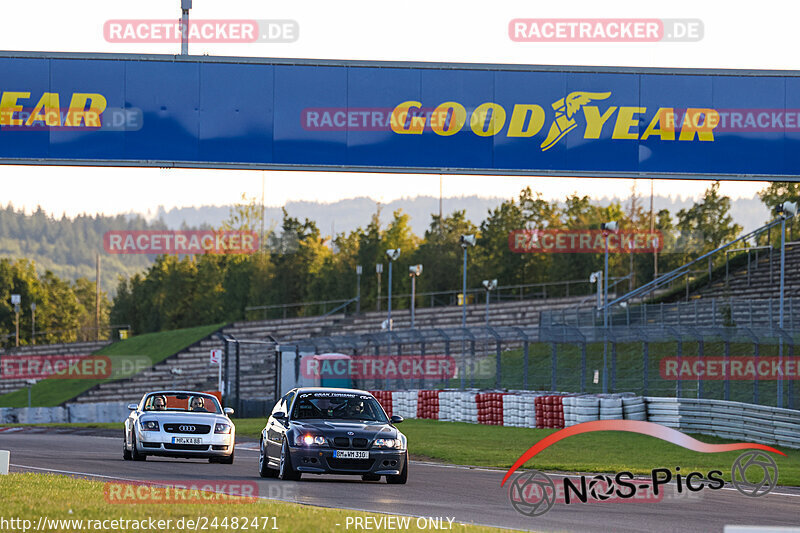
320	460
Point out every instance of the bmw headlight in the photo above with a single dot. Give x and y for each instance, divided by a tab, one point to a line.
222	428
388	443
309	440
149	425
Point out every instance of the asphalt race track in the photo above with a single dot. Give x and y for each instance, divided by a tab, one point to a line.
472	495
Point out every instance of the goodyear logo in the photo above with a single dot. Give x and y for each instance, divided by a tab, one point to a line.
83	110
526	120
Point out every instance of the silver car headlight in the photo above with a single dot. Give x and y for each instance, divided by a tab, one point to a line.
149	425
222	428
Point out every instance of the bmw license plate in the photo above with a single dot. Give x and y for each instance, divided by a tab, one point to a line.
187	440
350	454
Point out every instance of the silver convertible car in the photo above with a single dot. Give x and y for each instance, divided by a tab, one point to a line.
179	424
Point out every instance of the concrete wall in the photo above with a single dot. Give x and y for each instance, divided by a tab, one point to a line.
74	412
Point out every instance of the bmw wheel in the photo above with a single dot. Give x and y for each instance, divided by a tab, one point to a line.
287	473
401	478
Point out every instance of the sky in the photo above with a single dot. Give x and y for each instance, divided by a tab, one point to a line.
446	31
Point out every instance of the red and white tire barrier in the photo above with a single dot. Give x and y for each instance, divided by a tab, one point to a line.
514	409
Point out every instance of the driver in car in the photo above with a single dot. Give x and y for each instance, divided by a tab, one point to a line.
197	404
355	409
160	403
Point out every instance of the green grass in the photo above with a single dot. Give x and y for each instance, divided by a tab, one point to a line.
156	346
605	451
31	496
498	446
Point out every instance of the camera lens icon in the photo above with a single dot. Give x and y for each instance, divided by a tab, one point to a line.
765	468
532	493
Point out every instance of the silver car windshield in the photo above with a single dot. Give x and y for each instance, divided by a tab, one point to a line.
183	403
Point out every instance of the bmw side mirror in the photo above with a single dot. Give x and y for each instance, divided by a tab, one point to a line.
396	419
132	406
228	411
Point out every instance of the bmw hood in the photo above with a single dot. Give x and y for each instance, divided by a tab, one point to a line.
347	428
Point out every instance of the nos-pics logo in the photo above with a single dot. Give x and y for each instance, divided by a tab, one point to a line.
532	493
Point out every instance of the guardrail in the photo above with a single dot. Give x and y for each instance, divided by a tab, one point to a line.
729	420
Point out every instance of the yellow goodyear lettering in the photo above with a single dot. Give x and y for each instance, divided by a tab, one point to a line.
700	122
626	121
400	117
527	120
663	125
488	119
519	120
9	104
78	112
458	116
85	109
52	111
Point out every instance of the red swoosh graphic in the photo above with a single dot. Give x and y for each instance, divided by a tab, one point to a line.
634	426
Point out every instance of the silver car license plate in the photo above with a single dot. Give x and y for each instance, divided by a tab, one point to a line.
187	440
350	454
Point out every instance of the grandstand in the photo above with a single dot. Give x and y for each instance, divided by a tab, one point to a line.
257	360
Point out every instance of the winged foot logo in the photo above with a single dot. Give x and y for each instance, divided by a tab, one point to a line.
565	109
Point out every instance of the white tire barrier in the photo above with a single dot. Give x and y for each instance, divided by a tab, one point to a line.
610	408
634	408
587	409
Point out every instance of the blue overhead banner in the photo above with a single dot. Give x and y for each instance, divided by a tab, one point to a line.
216	112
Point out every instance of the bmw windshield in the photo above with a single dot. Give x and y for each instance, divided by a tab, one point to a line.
339	406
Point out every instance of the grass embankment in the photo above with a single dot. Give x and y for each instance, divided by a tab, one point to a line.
629	367
497	446
157	346
31	496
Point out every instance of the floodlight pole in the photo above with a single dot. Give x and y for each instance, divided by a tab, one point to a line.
16	322
358	289
186	5
464	289
33	323
780	311
389	323
413	297
605	320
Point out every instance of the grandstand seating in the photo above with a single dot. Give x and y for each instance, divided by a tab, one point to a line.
257	361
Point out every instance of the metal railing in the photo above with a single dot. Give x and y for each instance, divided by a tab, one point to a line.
66	335
683	270
528	291
566	358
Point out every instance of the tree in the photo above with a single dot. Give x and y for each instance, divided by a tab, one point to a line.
775	194
707	224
